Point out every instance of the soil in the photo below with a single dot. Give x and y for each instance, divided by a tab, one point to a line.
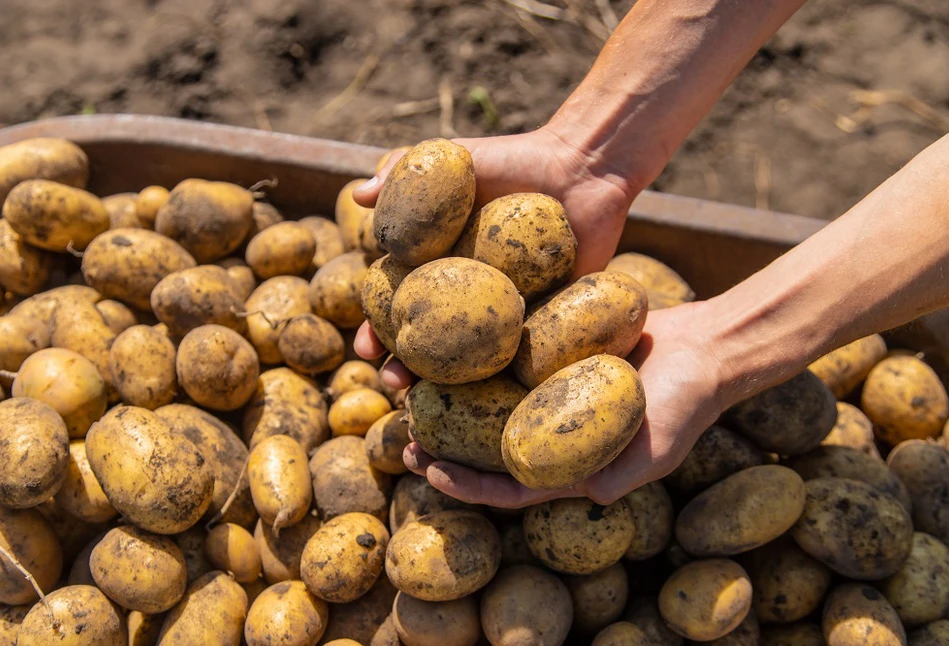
785	136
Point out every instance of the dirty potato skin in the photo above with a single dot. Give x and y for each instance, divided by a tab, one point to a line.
854	429
574	424
126	447
336	287
385	440
311	345
142	363
344	481
54	216
79	327
444	556
717	454
10	619
42	158
191	544
355	411
527	237
658	278
285	248
286	403
286	614
34	449
706	599
279	481
280	554
598	599
241	274
905	400
923	466
464	423
269	308
83	615
139	570
231	548
844	368
329	244
81	495
413	497
26	535
212	611
24	270
653	520
343	559
217	367
425	202
147	203
526	605
436	623
116	315
480	306
126	264
858	614
854	529
350	376
121	210
919	592
789	584
378	289
198	296
368	619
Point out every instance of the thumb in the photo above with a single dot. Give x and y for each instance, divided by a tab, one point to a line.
366	194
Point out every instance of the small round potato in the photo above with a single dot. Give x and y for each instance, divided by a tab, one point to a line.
858	614
286	403
212	611
116	315
934	634
147	203
526	605
336	287
188	298
42	158
385	440
799	634
81	494
26	535
343	559
231	548
905	400
598	599
444	556
280	554
853	429
660	281
436	623
269	308
284	249
653	520
707	599
81	614
138	570
378	289
311	345
717	454
24	270
34	452
355	411
368	619
217	367
329	244
349	215
789	585
286	614
352	375
279	481
53	216
142	361
844	368
344	481
577	535
413	497
121	210
919	592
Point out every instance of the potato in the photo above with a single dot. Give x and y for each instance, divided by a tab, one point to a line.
852	429
285	403
622	633
789	585
191	544
526	605
800	634
343	559
127	264
264	216
286	248
385	440
241	275
367	619
286	614
847	462
476	302
653	520
367	238
436	623
217	367
414	497
658	278
142	363
42	158
349	215
577	535
905	400
706	599
934	634
155	478
139	570
34	449
280	555
854	529
858	614
444	556
844	368
81	614
81	494
919	592
10	619
26	535
79	327
143	629
336	287
19	338
209	219
311	345
269	308
121	210
355	411
189	298
788	419
54	216
598	599
24	270
378	289
923	467
231	548
553	440
329	244
212	612
643	612
717	454
116	315
147	203
344	481
352	375
279	481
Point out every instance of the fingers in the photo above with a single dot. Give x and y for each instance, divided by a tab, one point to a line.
597	238
367	194
395	375
479	488
366	344
416	459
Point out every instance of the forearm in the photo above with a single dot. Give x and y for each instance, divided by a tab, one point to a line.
880	265
660	72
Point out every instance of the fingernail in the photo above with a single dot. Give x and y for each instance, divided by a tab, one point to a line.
371	184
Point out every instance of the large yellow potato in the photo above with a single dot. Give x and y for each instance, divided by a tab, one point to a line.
336	287
386	439
81	614
286	403
660	281
717	454
858	614
81	494
905	400
574	424
142	363
844	368
425	202
279	481
284	249
125	449
189	298
280	554
343	559
457	320
355	411
269	308
232	548
217	367
653	520
212	611
344	481
368	619
42	158
311	345
378	289
789	584
34	452
706	599
329	243
854	429
24	270
414	497
286	614
526	605
436	623
598	598
26	535
923	466
54	216
919	592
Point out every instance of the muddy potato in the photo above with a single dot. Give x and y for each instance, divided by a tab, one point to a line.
18	340
26	535
212	611
923	467
905	400
24	270
349	215
789	419
717	454
209	219
653	520
344	481
326	234
858	614
147	203
658	278
241	275
68	382
854	529
123	449
553	441
197	296
789	584
480	306
10	619
217	367
385	440
283	249
127	264
79	327
355	411
139	570
706	599
81	615
42	158
598	599
463	423
934	634
286	403
34	449
919	592
526	605
352	375
263	216
311	345
378	289
280	554
191	544
142	363
122	213
368	619
279	481
414	497
444	556
852	429
343	559
286	614
81	494
231	548
116	315
269	308
336	288
844	368
436	623
800	634
54	216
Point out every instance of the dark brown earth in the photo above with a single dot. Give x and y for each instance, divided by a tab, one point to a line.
780	138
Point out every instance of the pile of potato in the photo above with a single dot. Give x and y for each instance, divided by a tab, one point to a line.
190	454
